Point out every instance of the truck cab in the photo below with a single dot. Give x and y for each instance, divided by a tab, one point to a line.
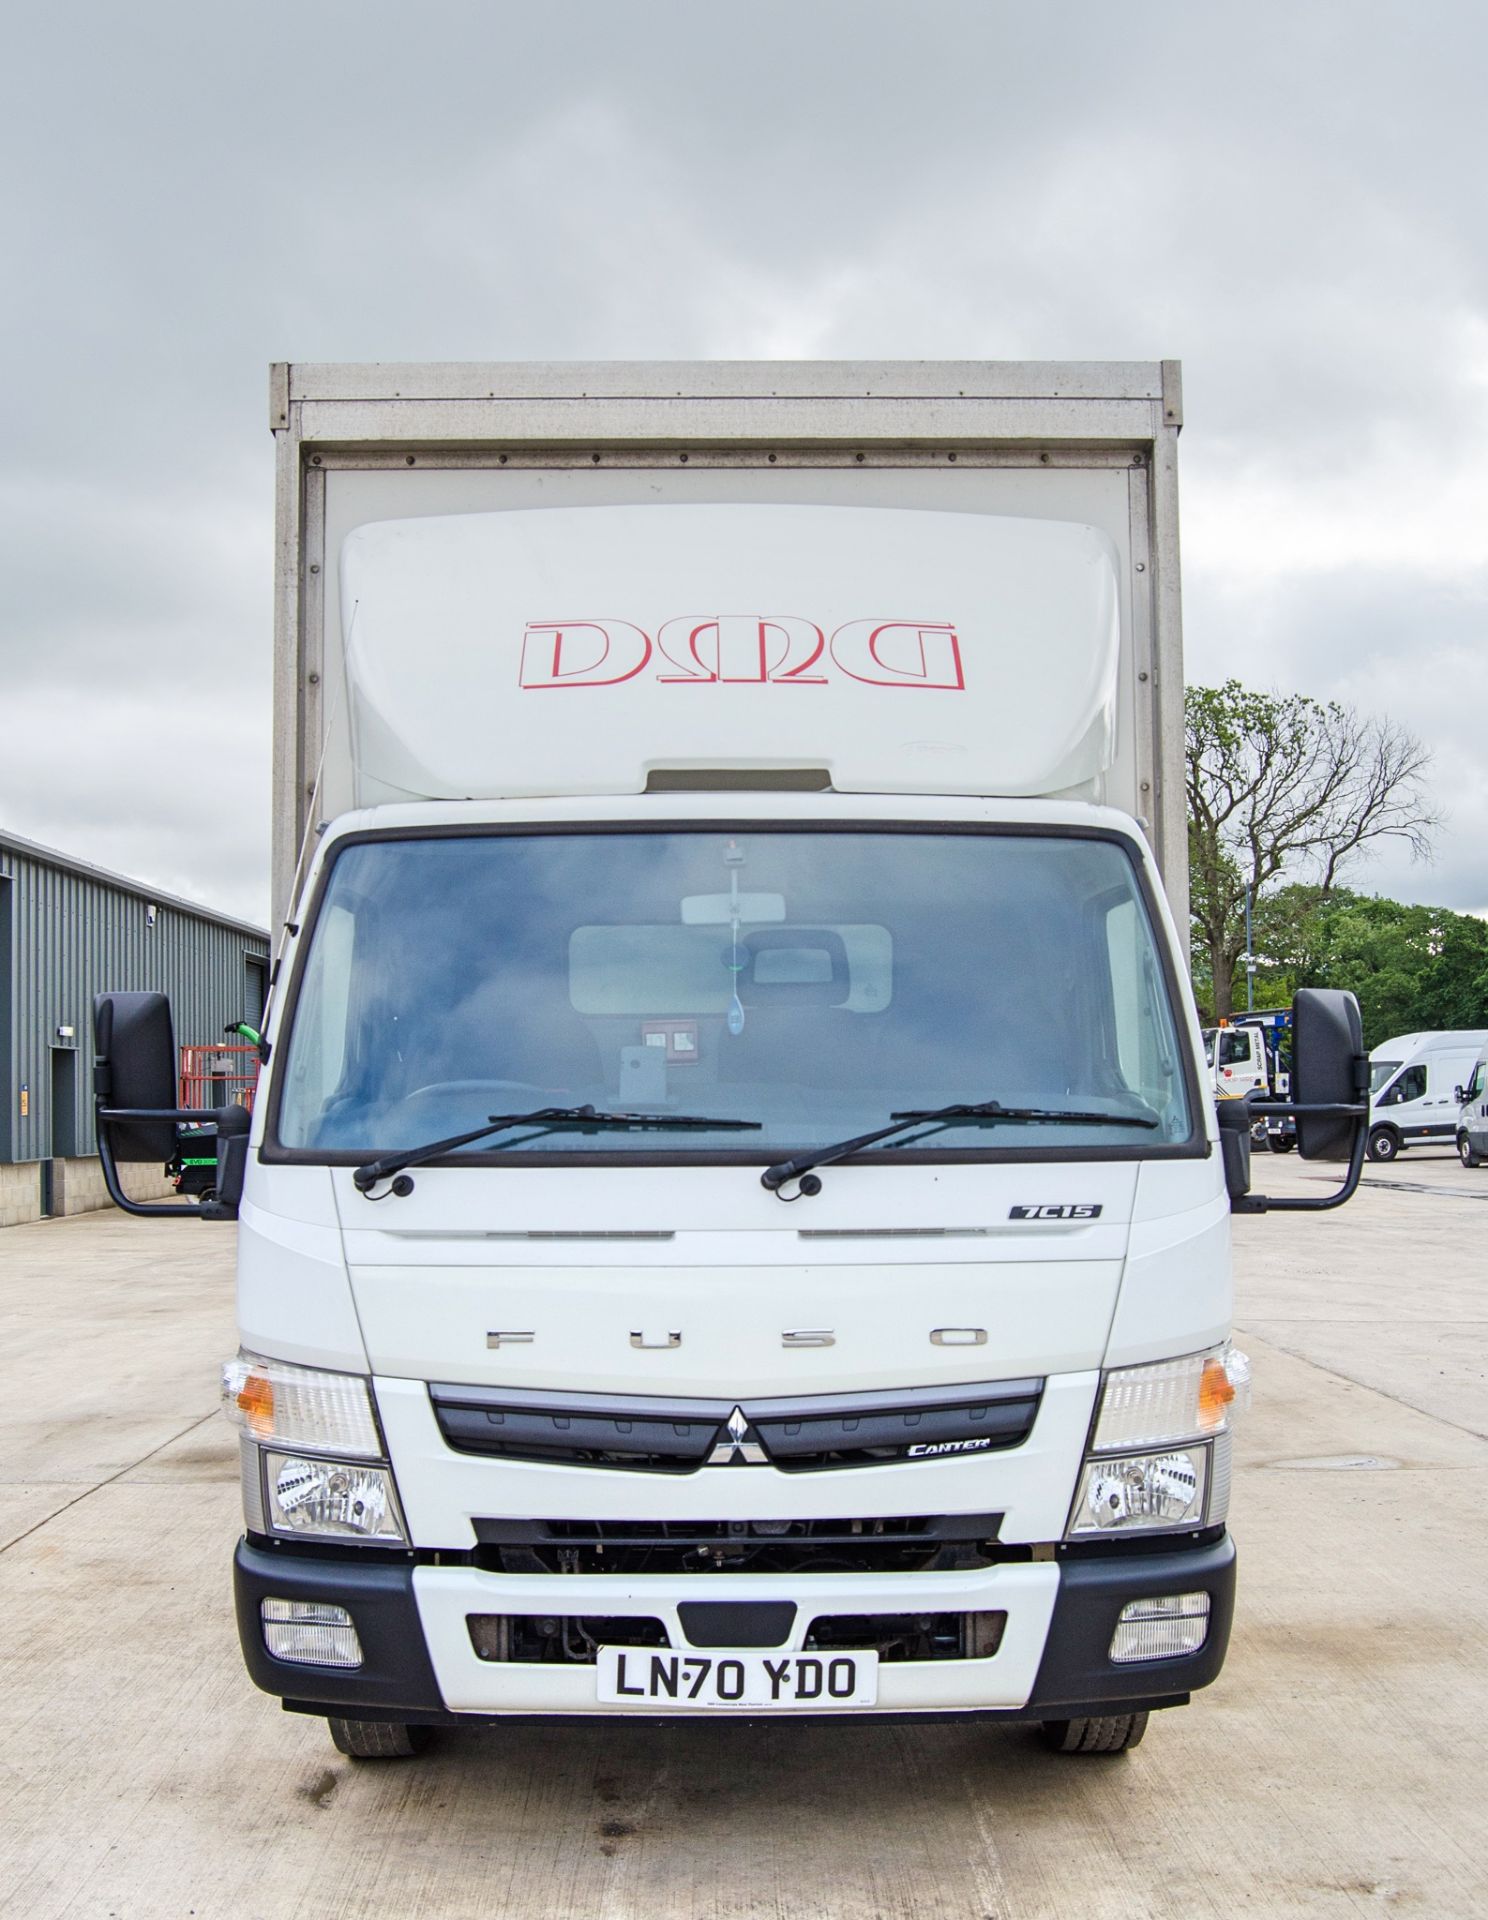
1249	1058
1237	1055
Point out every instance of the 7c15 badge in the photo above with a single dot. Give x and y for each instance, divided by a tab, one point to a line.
1054	1213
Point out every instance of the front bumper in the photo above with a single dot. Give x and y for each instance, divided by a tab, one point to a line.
419	1664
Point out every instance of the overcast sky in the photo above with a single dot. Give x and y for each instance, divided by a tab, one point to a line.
1288	198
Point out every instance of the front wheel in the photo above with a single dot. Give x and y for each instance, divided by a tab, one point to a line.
377	1739
1105	1733
1384	1144
1465	1152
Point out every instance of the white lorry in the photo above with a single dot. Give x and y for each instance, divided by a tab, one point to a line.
734	1218
1247	1057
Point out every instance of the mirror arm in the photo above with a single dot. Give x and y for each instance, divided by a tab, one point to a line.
234	1123
1263	1203
161	1210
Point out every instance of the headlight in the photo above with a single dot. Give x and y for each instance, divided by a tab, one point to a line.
1189	1398
1159	1455
300	1406
1142	1490
330	1499
298	1423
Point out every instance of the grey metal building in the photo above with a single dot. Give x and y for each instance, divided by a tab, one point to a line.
69	930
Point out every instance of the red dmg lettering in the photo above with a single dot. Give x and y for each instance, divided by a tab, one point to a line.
582	653
740	647
899	653
725	649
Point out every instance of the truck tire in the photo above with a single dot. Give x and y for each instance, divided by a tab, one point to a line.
1384	1143
377	1739
1465	1152
1108	1733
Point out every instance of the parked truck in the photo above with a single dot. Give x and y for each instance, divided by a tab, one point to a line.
734	1217
1249	1058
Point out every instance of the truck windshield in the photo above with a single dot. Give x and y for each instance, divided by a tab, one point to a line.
810	982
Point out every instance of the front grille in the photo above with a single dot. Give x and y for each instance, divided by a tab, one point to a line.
902	1543
574	1640
801	1442
559	1639
644	1444
909	1636
828	1431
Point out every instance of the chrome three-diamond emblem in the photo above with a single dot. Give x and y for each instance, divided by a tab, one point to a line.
739	1449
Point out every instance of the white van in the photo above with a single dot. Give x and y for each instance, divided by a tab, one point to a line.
1412	1088
1472	1116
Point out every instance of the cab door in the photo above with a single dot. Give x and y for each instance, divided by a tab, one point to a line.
1446	1072
1403	1102
1235	1053
1254	1067
1474	1119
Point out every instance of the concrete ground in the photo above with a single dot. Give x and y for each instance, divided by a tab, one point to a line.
1329	1771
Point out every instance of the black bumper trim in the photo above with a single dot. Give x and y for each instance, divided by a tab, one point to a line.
1076	1677
396	1679
869	1717
1077	1674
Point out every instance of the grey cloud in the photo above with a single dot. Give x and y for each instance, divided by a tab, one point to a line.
1413	649
1289	198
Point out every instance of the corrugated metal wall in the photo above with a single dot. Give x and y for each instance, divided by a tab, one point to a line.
64	937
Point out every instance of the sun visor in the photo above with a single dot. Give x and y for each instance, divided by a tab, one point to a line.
580	650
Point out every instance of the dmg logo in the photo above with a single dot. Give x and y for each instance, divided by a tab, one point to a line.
742	650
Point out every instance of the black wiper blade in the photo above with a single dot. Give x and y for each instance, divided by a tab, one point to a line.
994	1110
775	1177
365	1177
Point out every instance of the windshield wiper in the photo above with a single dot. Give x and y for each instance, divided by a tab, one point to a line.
366	1177
775	1177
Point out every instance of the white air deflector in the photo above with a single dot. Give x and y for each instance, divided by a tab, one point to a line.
589	649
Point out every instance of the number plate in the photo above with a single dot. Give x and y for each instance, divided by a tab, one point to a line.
737	1677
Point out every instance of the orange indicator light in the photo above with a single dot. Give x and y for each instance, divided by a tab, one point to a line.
256	1399
1215	1395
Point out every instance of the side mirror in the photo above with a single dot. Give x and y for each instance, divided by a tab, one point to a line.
1329	1102
136	1067
1458	1095
134	1084
1329	1068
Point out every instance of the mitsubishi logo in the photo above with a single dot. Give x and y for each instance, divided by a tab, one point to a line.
739	1449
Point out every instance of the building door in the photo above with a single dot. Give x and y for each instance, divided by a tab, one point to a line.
63	1122
255	989
64	1103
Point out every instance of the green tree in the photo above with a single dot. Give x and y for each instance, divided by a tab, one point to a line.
1285	790
1412	968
